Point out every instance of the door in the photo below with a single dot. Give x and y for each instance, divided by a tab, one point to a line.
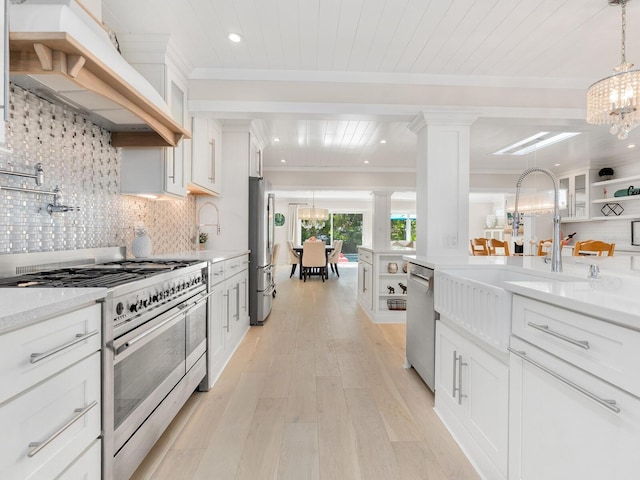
449	369
559	430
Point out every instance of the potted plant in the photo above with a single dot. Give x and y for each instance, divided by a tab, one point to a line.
202	239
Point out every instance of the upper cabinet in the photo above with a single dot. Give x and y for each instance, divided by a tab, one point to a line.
577	185
155	171
206	157
4	81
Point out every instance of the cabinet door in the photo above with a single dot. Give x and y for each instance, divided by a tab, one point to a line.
365	284
577	186
244	297
558	432
206	162
485	389
216	334
450	364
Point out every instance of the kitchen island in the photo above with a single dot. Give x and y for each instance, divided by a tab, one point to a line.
535	370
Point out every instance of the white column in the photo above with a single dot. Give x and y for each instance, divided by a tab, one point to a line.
442	183
381	220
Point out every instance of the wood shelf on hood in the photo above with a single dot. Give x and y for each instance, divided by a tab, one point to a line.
57	53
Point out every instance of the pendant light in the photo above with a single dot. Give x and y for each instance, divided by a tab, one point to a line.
313	217
614	100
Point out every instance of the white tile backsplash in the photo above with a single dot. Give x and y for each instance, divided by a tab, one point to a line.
76	156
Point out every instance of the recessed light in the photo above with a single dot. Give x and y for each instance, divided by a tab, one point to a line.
383	141
276	139
366	161
235	38
556	164
283	161
631	145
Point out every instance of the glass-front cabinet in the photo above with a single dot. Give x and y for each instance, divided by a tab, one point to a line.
577	185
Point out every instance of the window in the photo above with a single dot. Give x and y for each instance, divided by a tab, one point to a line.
403	227
340	226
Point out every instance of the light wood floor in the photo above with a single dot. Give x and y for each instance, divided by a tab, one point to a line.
318	392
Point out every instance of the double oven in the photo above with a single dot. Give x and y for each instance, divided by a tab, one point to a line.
154	345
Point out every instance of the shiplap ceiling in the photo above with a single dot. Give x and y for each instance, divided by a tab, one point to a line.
476	43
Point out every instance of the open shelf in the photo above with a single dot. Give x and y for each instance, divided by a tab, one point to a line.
615	180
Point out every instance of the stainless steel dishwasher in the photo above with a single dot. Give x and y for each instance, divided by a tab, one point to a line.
421	324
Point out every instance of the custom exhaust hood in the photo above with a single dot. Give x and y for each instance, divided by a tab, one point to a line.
60	52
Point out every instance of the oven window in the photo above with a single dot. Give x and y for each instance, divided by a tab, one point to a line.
196	333
150	371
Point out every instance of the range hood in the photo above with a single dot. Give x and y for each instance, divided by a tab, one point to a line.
60	52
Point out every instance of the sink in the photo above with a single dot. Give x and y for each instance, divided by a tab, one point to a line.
475	298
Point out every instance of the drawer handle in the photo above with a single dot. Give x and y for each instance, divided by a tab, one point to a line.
79	413
545	328
36	357
610	404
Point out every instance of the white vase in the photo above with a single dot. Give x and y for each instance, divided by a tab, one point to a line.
141	245
491	221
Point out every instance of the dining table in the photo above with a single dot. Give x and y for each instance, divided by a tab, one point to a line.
300	249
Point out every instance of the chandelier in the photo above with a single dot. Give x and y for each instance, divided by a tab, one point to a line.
614	100
313	217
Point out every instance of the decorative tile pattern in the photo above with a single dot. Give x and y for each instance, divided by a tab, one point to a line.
77	157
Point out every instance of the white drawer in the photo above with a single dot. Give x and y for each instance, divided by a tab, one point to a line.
59	341
41	415
601	348
217	273
235	265
87	467
365	256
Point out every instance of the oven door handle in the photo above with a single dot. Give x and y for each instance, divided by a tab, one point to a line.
121	346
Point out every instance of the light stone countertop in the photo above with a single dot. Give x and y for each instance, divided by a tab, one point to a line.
24	306
613	297
212	256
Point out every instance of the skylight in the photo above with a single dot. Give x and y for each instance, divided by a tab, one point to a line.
535	142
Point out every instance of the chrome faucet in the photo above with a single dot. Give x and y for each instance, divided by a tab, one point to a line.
556	257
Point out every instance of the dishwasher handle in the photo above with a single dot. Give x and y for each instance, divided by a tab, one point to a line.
422	280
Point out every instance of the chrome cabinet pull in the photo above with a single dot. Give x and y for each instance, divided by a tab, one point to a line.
227	295
212	178
460	394
237	289
454	388
244	282
545	329
36	357
364	280
35	447
609	404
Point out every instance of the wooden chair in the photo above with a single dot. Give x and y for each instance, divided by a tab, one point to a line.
593	247
294	257
495	245
314	259
479	247
542	248
334	257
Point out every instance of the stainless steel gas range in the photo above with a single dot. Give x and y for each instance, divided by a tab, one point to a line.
154	338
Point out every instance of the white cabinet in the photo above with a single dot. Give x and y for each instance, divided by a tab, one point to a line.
472	398
159	171
206	157
578	186
255	157
382	284
4	75
566	423
365	280
228	319
51	395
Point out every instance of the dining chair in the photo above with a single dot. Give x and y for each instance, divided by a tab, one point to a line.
593	247
479	247
294	257
498	247
544	247
334	257
314	259
274	262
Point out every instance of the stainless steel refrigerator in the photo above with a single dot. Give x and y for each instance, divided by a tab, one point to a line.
261	230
